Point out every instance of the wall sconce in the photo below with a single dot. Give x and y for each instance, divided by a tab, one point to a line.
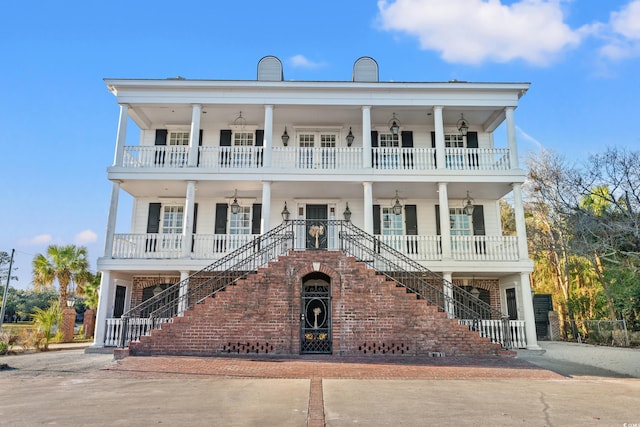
285	212
235	207
468	207
285	137
347	213
462	125
394	124
350	137
397	207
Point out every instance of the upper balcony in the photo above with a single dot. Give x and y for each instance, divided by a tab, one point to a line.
320	160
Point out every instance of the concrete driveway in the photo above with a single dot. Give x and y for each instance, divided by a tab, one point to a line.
72	388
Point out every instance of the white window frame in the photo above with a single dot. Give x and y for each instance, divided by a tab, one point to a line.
171	234
176	139
317	157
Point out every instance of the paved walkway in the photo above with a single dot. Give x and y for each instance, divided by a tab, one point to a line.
315	391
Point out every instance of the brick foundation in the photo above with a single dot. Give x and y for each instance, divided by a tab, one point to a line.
261	315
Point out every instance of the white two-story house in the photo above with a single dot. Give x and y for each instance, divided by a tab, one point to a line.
415	165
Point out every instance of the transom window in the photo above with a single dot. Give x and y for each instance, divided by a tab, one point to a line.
460	222
389	140
243	139
454	141
178	138
240	223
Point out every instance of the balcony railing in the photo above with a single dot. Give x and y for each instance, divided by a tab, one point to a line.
317	159
213	246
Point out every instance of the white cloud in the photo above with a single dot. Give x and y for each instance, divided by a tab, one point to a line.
85	237
39	240
477	31
300	61
623	33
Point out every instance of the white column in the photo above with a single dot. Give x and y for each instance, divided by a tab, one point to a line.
529	318
448	292
438	124
265	222
521	229
368	206
187	226
111	219
268	136
366	138
194	136
445	225
121	138
511	138
103	309
182	293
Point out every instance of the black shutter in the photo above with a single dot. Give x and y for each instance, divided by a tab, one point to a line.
438	232
256	216
225	141
478	228
193	230
407	155
259	141
478	220
199	145
433	145
221	218
161	139
411	220
153	226
153	219
376	219
472	142
374	144
411	228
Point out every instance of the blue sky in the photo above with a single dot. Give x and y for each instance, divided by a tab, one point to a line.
59	121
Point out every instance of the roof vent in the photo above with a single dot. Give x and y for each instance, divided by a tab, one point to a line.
270	69
365	69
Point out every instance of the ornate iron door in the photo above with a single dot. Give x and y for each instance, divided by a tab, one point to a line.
317	227
315	333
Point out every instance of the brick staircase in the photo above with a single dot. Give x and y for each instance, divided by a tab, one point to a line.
261	315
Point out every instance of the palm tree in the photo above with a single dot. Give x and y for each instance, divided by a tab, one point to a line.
65	264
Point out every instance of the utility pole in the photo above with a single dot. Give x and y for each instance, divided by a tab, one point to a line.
6	290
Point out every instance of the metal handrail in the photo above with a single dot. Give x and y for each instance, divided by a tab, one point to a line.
416	278
214	278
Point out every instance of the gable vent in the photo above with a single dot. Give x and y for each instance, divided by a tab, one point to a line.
270	69
365	69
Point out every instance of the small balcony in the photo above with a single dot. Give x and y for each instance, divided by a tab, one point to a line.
215	246
407	160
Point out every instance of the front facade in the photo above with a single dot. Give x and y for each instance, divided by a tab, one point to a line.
218	163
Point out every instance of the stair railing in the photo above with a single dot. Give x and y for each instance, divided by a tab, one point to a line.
214	278
426	284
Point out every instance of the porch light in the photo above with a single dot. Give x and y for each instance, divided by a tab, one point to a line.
394	124
350	137
347	213
468	207
71	300
285	137
157	290
475	292
285	212
462	125
397	207
235	207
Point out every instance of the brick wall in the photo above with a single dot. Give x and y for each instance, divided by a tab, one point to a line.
261	314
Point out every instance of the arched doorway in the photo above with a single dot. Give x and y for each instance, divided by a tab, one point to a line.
315	316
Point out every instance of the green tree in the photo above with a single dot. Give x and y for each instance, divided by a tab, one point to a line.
91	290
64	264
46	320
